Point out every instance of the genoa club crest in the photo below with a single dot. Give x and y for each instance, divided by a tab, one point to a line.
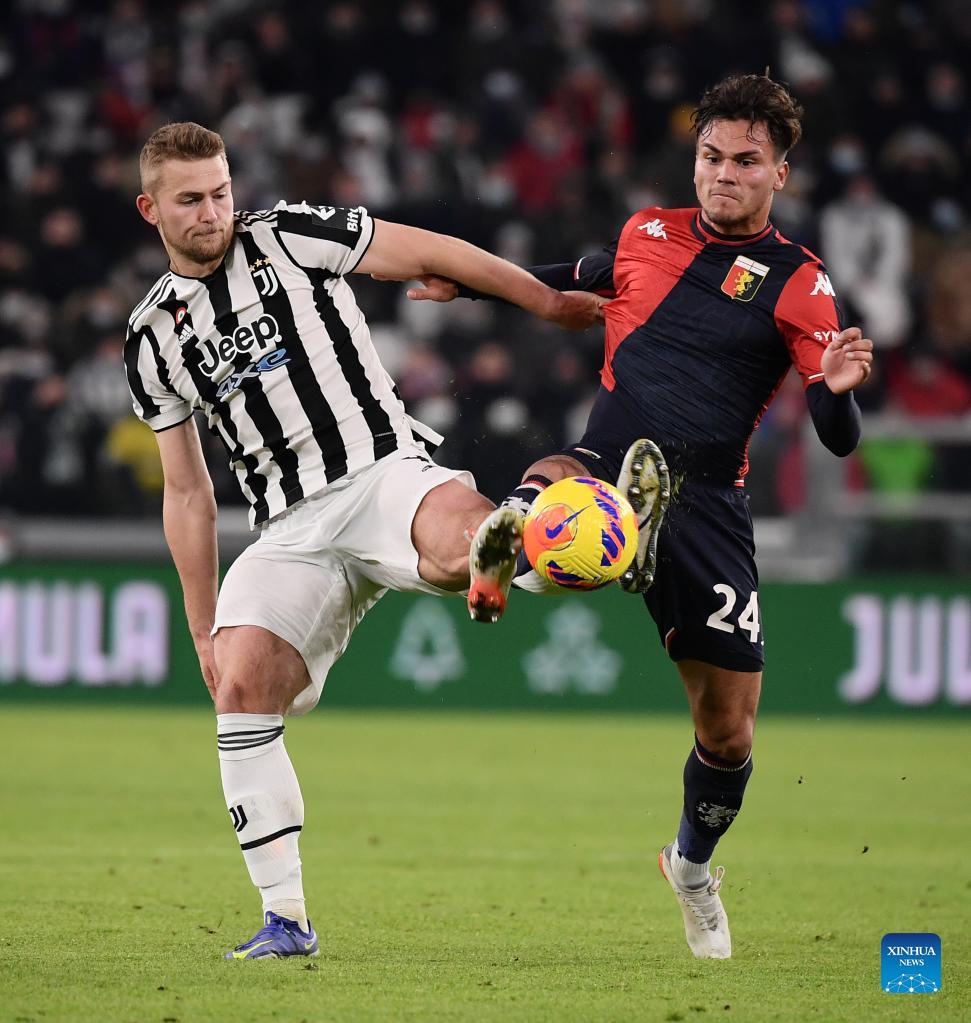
744	278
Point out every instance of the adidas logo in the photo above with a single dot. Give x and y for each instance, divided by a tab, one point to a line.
655	228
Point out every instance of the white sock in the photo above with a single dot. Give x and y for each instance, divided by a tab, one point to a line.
688	874
265	807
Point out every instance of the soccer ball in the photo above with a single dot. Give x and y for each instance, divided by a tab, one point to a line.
580	533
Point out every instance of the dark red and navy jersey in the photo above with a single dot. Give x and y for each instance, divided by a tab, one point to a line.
700	335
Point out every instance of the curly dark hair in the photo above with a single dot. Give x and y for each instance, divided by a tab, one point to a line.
752	98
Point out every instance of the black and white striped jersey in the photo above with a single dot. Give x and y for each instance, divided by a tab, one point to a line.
273	348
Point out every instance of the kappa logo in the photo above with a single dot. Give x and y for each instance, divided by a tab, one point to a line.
654	228
744	279
823	285
267	282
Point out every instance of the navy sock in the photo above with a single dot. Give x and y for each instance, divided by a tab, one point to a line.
713	790
522	500
523	496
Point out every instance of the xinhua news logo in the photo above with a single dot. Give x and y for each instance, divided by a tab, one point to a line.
910	964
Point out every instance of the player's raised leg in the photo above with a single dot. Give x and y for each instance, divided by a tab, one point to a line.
495	556
260	675
496	560
444	523
645	482
723	706
464	542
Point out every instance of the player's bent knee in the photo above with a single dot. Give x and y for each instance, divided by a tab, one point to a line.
238	696
258	671
738	748
729	740
442	530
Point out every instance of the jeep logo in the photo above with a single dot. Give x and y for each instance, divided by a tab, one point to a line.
260	334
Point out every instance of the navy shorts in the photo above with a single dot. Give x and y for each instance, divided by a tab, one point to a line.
704	599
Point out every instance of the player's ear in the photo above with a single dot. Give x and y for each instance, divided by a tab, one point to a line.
781	174
146	206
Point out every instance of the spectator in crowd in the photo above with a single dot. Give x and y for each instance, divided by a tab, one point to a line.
515	122
866	246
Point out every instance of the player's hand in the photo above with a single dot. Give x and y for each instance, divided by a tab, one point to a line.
847	360
433	288
577	310
207	663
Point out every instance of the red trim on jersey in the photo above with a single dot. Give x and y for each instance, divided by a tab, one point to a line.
743	471
707	233
646	269
807	318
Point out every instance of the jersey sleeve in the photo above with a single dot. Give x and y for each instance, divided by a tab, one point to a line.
596	273
329	238
808	318
589	273
154	400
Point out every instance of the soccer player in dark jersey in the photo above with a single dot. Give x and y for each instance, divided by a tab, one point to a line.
712	307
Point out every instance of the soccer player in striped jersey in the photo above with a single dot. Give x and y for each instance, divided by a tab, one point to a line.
711	309
255	326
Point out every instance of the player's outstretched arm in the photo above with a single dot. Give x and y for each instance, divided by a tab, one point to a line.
591	273
409	253
189	520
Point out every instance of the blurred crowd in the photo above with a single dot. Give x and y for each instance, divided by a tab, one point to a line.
532	129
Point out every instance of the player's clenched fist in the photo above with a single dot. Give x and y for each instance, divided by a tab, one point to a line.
847	360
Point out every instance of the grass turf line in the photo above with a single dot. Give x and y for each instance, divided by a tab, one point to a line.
475	867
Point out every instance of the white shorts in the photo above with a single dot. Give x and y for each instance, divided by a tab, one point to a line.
320	566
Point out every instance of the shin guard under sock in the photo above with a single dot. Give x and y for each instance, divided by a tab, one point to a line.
713	790
265	806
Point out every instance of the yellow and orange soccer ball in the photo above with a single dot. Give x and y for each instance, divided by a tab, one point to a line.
580	533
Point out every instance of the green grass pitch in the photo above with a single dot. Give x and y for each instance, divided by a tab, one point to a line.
476	867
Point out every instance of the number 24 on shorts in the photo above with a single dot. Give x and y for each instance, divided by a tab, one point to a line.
748	620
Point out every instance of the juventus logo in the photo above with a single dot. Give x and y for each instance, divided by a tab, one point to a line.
238	815
265	277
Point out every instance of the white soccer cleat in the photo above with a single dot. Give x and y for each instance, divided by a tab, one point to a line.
492	563
645	482
705	922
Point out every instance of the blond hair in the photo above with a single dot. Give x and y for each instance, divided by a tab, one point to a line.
181	140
